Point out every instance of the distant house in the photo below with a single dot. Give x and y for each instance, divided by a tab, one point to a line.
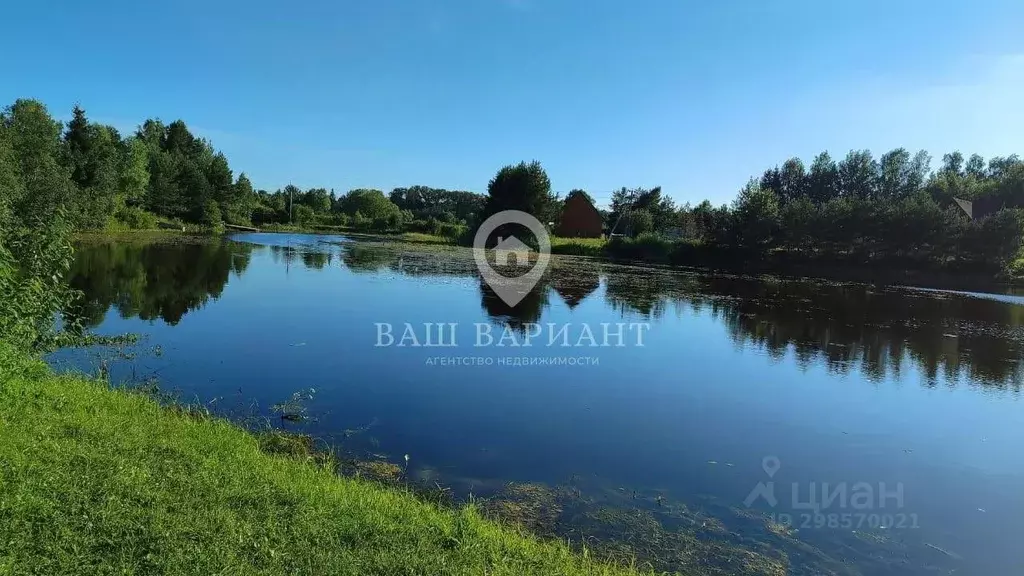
580	219
979	207
511	246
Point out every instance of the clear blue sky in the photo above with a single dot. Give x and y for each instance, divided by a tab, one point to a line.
693	96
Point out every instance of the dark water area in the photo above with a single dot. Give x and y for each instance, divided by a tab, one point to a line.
895	409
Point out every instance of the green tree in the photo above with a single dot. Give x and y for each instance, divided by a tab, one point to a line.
370	204
94	154
639	222
134	172
625	201
319	199
757	217
35	248
220	182
195	188
163	194
524	187
858	175
242	202
953	163
823	181
799	221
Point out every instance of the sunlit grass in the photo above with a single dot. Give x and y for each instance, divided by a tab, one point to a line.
578	246
421	238
100	481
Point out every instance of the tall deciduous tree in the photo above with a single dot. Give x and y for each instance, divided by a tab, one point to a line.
525	187
756	217
134	173
858	174
823	181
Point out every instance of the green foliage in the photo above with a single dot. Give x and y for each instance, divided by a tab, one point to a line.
303	215
211	214
627	202
578	246
102	481
241	202
524	187
648	247
94	154
134	173
638	222
135	218
360	222
424	202
860	207
372	208
869	211
35	249
757	217
318	199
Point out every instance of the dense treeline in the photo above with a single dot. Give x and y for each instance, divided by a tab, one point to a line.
418	208
862	210
891	211
890	207
103	179
165	174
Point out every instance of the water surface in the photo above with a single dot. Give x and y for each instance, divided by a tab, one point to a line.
831	387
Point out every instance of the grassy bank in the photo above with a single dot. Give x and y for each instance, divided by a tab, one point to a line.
413	237
99	481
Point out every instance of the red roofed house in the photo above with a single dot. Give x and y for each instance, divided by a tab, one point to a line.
580	219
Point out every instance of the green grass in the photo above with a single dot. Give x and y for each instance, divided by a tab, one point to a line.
578	246
100	481
421	238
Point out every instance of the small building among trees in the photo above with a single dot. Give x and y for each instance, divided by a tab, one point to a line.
979	207
580	219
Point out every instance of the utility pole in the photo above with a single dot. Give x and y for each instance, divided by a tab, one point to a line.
630	201
290	201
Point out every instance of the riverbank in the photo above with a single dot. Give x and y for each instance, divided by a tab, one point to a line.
907	269
842	266
97	480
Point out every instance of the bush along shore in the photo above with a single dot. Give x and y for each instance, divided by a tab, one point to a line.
837	265
101	481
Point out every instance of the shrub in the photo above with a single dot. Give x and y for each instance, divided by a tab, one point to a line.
303	215
451	231
647	246
135	218
360	222
263	214
211	214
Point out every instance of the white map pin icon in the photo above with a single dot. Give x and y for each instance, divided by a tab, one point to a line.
771	465
511	289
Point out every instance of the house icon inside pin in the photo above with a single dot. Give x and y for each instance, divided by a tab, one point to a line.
511	246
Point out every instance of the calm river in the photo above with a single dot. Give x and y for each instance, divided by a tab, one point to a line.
764	426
